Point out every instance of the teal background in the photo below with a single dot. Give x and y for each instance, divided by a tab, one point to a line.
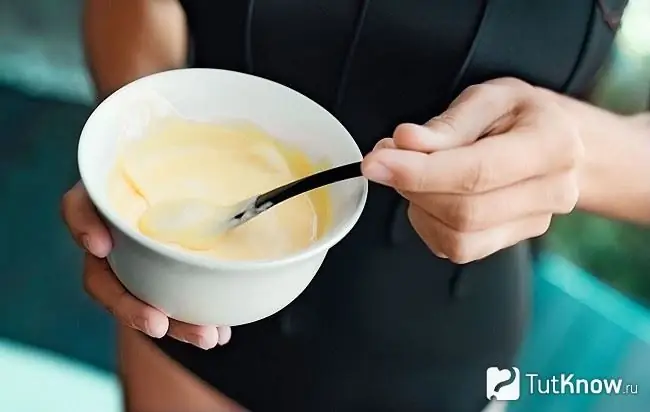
592	286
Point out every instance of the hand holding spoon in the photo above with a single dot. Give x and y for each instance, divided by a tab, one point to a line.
195	224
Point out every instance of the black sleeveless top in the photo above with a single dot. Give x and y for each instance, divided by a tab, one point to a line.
385	325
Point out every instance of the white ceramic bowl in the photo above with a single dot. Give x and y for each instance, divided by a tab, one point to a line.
203	290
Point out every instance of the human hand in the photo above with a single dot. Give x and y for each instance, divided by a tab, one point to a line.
488	173
100	282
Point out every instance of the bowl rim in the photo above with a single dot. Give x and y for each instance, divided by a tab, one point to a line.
321	245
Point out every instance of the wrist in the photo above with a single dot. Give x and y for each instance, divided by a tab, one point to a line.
614	177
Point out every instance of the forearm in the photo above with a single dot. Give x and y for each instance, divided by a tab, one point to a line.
129	39
615	177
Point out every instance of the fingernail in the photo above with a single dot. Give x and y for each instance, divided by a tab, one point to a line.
153	329
85	240
378	173
224	336
198	341
156	329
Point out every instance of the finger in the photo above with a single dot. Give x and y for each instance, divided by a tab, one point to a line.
204	337
225	334
84	223
555	194
491	163
465	247
102	285
477	111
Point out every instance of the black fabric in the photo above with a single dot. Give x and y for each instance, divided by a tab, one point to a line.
596	44
385	325
514	40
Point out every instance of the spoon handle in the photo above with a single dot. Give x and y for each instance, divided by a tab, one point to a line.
308	183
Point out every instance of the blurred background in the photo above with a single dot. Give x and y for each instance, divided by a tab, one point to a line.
592	288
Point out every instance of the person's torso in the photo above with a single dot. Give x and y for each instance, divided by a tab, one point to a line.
383	309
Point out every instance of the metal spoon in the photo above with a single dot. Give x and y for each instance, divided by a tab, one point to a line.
195	223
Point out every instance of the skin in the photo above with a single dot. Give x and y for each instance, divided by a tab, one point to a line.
486	174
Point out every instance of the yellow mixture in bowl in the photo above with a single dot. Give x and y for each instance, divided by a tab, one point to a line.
220	164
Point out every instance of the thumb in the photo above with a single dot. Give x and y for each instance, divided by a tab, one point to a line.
435	135
443	132
477	111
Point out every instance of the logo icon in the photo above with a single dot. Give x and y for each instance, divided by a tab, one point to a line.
502	384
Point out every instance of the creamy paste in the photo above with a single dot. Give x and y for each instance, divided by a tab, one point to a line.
220	164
